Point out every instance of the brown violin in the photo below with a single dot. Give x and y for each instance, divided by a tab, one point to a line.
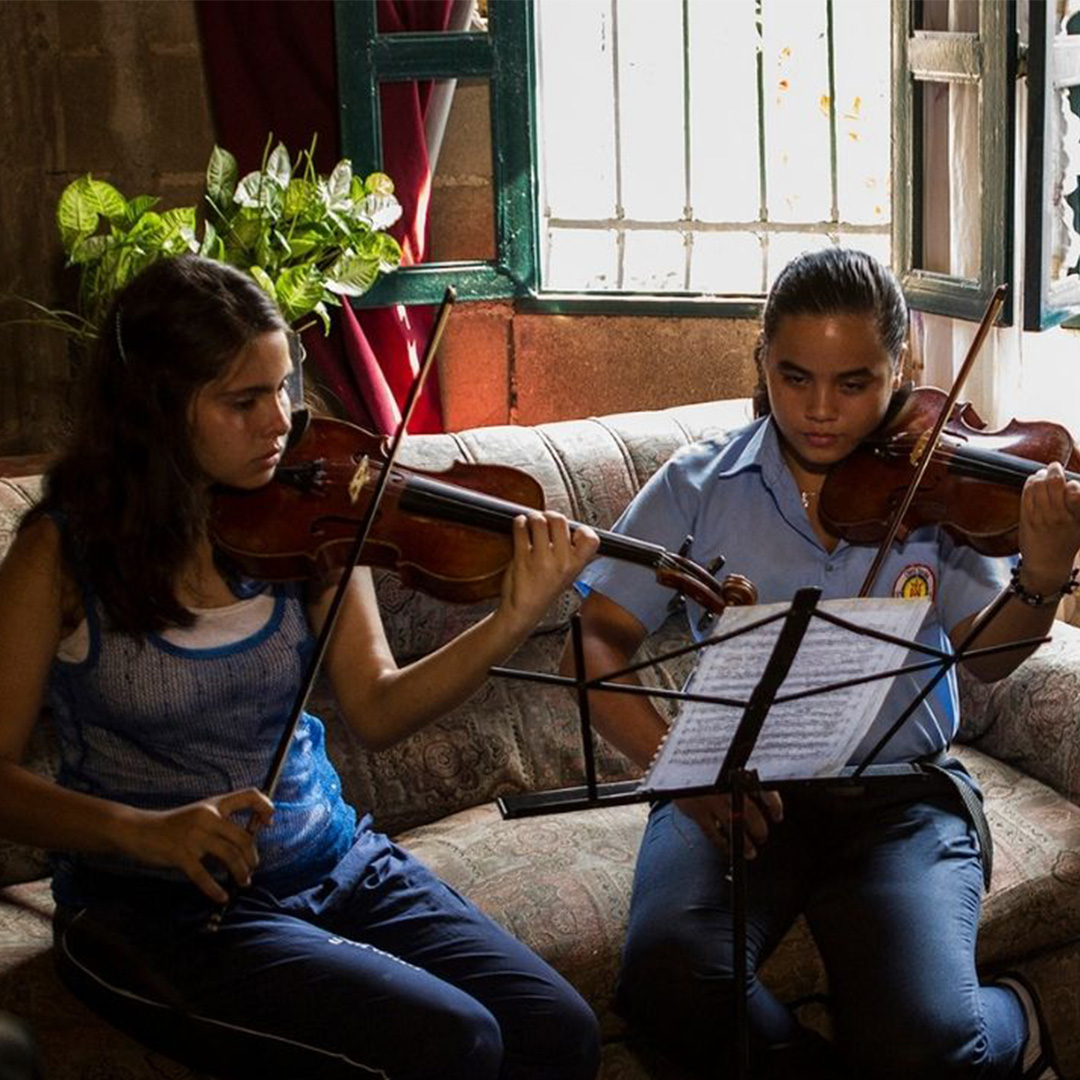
448	534
971	486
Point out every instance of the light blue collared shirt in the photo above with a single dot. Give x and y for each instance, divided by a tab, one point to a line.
738	499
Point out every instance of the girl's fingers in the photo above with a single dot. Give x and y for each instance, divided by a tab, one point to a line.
247	799
585	542
544	530
238	862
528	526
205	882
549	533
242	840
558	528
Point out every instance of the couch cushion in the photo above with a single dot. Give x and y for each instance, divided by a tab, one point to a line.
509	737
18	862
1030	719
561	883
1031	917
1034	900
502	740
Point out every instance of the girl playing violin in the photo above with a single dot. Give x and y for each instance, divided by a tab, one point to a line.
890	883
169	685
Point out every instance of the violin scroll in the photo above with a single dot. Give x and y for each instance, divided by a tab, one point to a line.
686	577
738	591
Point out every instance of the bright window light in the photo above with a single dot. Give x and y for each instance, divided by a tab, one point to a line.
693	146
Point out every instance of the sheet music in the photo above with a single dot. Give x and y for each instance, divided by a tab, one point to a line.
811	737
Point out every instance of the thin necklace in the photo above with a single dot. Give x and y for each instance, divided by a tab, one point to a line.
806	496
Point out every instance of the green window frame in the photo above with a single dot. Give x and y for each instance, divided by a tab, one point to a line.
987	59
504	56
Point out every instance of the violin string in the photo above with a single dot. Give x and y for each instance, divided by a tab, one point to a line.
464	506
473	508
988	465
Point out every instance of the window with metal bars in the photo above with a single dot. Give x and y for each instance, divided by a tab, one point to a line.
694	147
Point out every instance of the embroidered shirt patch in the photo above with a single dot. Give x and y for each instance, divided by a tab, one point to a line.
915	582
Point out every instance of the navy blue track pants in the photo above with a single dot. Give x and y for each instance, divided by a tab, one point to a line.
380	970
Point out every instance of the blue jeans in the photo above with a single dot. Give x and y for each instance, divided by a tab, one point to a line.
891	889
381	970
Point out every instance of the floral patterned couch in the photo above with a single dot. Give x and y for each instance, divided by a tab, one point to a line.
562	882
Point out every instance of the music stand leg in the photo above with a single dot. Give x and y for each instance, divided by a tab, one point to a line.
587	748
737	840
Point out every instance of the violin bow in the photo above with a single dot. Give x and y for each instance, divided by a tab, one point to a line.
322	642
924	449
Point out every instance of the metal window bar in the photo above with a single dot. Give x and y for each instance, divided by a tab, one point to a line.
763	164
620	236
688	226
830	39
688	147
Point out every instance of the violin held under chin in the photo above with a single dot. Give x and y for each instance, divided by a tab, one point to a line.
971	486
448	534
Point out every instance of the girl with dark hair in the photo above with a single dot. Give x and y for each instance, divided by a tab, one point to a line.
889	882
169	685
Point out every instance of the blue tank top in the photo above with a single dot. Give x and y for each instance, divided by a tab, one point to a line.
151	724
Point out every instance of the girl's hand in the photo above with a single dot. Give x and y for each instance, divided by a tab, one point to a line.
712	815
547	559
184	838
1049	528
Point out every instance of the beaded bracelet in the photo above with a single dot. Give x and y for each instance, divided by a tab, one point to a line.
1037	599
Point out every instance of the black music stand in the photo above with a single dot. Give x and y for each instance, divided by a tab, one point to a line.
733	776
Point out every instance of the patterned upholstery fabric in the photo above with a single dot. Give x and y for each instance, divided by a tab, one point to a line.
562	882
17	863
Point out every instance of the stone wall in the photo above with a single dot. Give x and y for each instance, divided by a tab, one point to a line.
110	87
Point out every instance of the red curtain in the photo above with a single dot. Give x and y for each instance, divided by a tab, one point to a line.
271	68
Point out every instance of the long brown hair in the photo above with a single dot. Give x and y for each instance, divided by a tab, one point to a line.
128	487
833	281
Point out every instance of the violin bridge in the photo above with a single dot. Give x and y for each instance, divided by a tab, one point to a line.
359	479
920	448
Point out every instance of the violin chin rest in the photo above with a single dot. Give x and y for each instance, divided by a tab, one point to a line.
300	420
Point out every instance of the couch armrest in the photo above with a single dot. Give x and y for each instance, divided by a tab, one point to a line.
1031	720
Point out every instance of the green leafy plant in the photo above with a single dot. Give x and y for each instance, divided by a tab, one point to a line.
306	239
111	239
